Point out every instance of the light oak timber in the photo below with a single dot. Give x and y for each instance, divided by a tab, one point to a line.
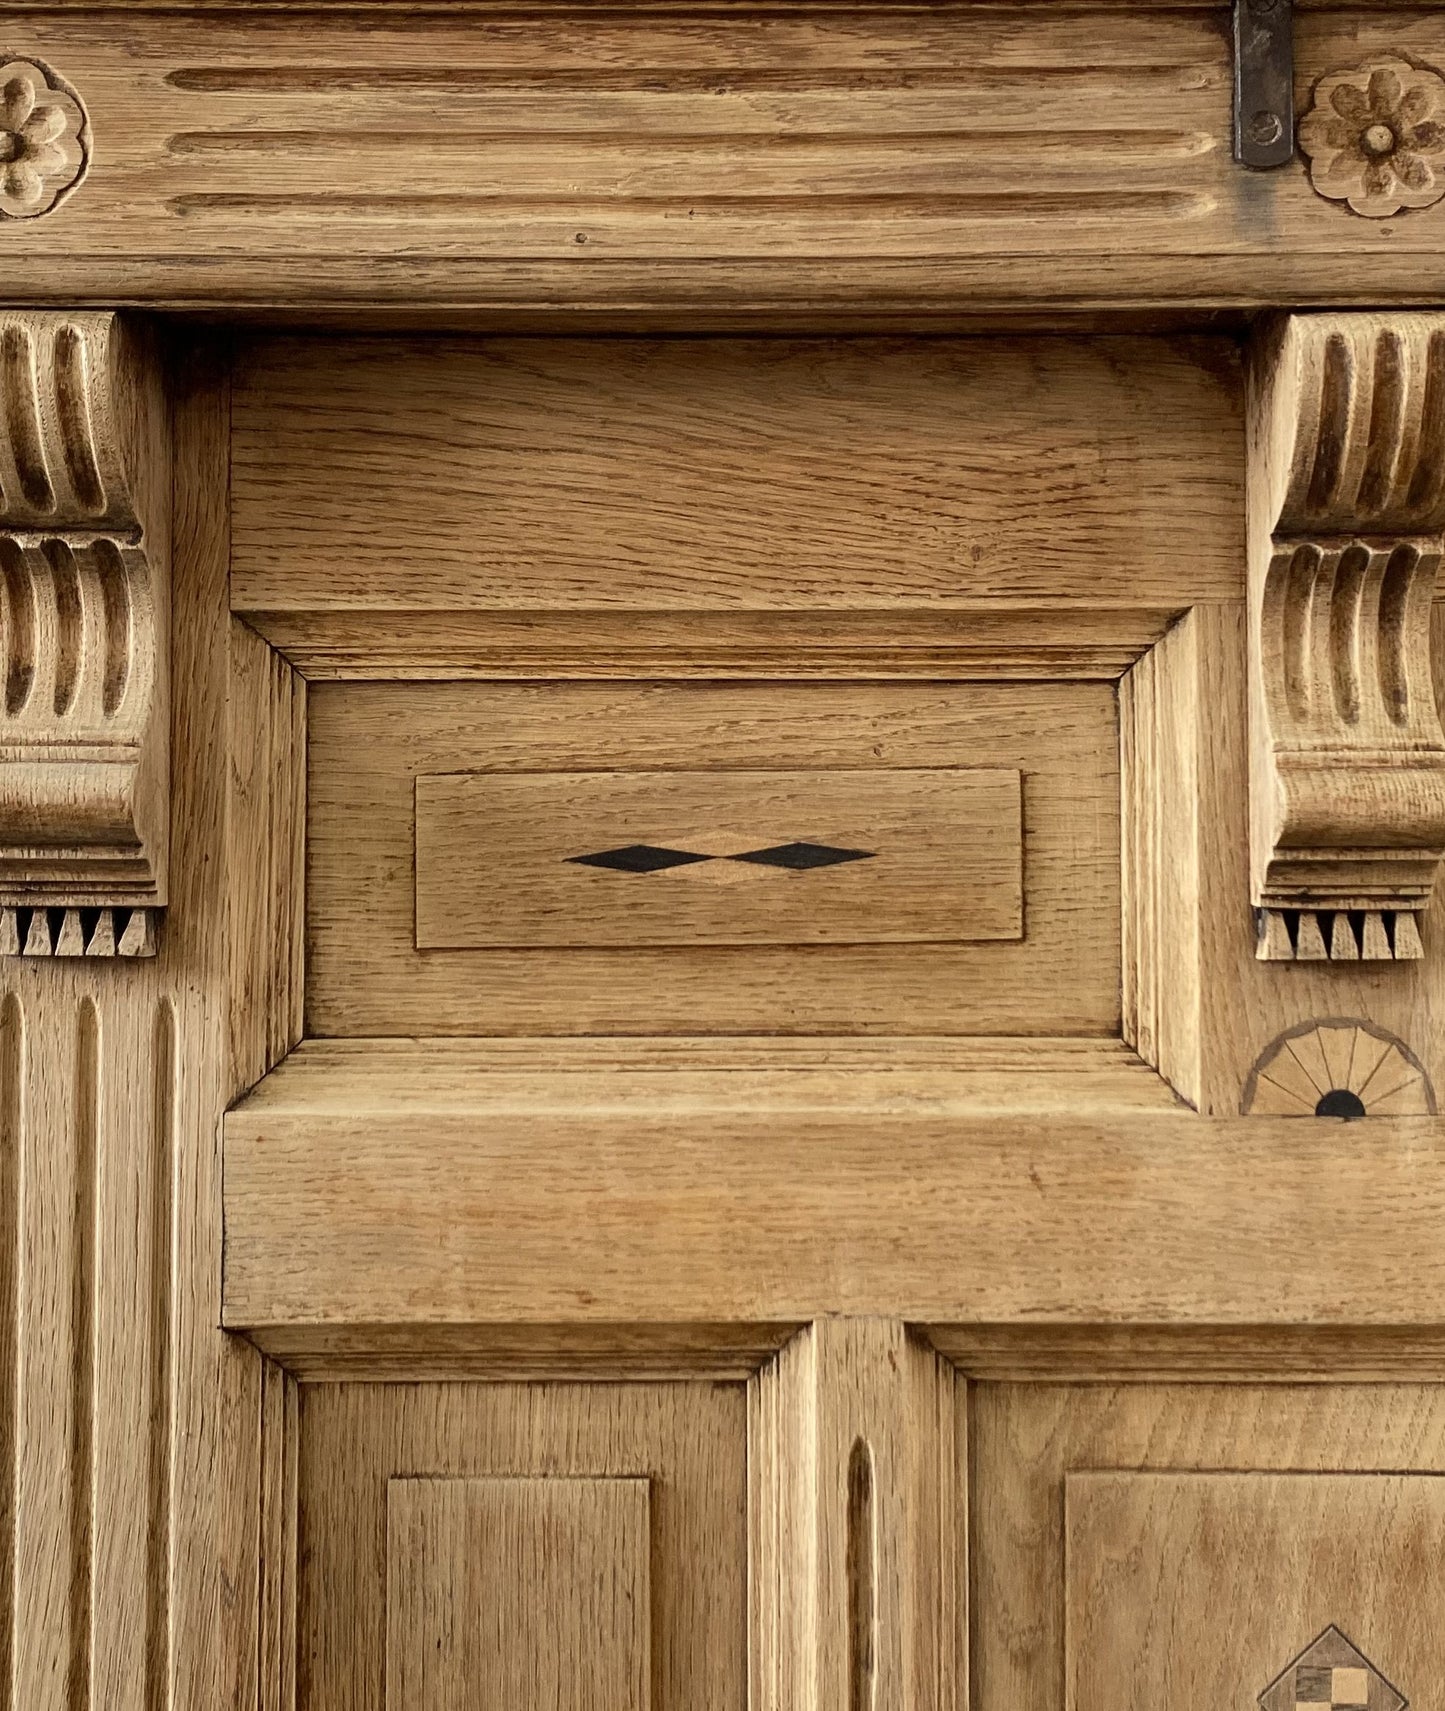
277	1541
1197	1002
523	1353
905	855
973	643
1347	505
1030	1442
85	474
729	1203
128	1442
760	489
1276	1558
1271	1354
686	1444
758	167
531	1591
368	743
857	1527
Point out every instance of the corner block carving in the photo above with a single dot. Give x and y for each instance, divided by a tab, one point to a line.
84	611
1347	522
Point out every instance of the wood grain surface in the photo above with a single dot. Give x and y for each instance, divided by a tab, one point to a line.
518	1591
727	1197
365	975
751	166
916	855
735	479
1231	1577
683	1445
1274	1558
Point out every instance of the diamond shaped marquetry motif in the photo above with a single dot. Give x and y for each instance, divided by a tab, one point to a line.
798	857
1331	1674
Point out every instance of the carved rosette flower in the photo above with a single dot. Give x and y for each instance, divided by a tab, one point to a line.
1375	137
43	140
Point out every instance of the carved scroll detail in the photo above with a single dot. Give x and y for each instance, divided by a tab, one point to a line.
1347	515
84	525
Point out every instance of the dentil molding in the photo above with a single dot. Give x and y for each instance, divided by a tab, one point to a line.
84	551
1347	478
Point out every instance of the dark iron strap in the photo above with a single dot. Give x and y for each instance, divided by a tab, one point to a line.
1264	82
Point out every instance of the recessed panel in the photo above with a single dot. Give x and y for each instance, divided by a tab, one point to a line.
1208	1588
718	858
1213	1545
526	1593
522	1547
650	858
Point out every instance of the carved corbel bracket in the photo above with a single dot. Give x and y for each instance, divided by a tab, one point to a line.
84	610
1347	512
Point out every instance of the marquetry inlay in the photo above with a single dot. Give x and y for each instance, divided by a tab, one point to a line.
798	856
1332	1674
1375	137
1342	1067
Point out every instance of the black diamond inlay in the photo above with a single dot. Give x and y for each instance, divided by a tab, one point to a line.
802	856
639	858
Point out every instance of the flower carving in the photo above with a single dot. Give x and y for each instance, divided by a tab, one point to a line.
44	142
1375	137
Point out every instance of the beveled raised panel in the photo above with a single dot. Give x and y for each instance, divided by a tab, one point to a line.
1189	1543
1203	1588
716	946
84	609
719	858
518	1593
563	1546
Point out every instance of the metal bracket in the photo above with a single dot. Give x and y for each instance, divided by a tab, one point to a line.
1264	82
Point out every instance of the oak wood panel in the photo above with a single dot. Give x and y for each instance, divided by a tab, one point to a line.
518	1592
857	1524
1026	1439
913	855
266	828
755	167
369	741
570	477
983	643
129	1452
728	1200
1273	1558
1197	1001
688	1441
1302	1353
522	1352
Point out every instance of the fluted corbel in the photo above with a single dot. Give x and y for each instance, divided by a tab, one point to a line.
1347	511
84	606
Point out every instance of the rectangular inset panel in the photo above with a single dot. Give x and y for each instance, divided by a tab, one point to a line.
371	742
1178	1545
574	1546
526	1593
718	858
1204	1589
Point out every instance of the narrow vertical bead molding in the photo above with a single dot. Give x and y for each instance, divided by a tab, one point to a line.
856	1520
87	1162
